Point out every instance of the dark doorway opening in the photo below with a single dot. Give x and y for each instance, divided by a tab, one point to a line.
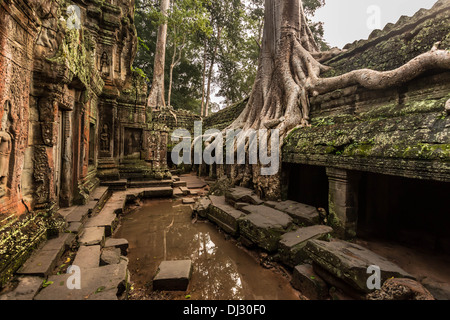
410	211
307	184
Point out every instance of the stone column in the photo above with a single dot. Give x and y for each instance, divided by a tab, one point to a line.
343	201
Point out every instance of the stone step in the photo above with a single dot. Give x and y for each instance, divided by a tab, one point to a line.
26	289
107	217
173	276
88	257
292	244
178	184
99	193
122	244
240	194
119	185
80	213
176	178
302	214
92	236
309	283
349	263
224	215
150	183
185	190
45	259
188	201
102	283
158	192
178	193
264	226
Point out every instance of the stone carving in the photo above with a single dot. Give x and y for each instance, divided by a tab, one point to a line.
104	137
5	149
104	64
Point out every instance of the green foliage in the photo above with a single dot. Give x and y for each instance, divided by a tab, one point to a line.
193	27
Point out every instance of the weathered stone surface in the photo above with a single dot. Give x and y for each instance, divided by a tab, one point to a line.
87	257
239	194
44	260
291	245
173	276
179	184
158	192
349	262
122	244
302	214
99	193
401	289
224	215
309	283
74	227
110	255
118	185
95	284
202	207
25	290
177	192
264	226
440	290
188	201
92	236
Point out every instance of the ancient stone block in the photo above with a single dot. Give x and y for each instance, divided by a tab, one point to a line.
292	244
302	214
173	276
309	283
264	226
350	262
224	215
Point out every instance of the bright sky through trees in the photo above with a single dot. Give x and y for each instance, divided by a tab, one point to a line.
347	20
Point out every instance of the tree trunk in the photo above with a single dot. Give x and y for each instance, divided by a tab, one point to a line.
174	63
202	112
289	73
156	96
211	68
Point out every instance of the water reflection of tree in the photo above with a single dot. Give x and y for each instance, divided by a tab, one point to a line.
214	275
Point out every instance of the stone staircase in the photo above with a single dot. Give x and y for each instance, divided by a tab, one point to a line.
290	232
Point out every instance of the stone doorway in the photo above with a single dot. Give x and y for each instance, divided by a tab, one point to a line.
133	143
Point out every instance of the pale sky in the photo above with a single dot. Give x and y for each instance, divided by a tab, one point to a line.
350	20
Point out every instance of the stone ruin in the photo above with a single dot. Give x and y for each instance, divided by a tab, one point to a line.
73	117
73	114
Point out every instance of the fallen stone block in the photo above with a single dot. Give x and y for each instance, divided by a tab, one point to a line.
224	215
202	207
264	226
177	192
188	201
350	262
26	289
158	192
102	283
109	256
302	214
107	219
309	283
44	260
180	184
240	194
292	244
92	236
87	257
173	276
122	244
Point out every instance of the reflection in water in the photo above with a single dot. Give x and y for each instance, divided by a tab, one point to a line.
162	229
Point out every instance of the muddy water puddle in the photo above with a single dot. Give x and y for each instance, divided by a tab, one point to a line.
162	230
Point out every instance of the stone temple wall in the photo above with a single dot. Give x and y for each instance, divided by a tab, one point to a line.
67	92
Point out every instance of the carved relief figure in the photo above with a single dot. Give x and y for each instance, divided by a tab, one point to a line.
104	137
5	149
104	64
